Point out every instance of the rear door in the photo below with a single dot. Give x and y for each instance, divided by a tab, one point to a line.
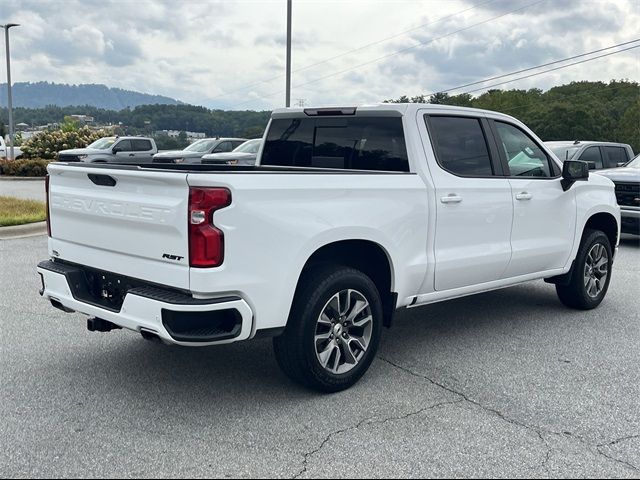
474	209
544	219
124	221
142	149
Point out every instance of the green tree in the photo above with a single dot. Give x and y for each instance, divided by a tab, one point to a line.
69	124
629	126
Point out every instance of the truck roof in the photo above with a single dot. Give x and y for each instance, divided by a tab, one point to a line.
391	109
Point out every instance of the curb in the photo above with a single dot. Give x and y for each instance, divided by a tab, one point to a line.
23	231
4	178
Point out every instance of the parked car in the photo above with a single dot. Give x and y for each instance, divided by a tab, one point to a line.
194	152
350	214
5	150
245	154
627	181
113	150
598	155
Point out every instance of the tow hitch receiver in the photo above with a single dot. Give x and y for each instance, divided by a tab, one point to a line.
95	324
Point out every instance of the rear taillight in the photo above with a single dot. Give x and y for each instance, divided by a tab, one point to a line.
46	190
206	242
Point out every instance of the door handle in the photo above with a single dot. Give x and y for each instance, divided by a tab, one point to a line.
132	154
524	196
451	198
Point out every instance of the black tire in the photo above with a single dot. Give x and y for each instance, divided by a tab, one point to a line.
295	349
575	294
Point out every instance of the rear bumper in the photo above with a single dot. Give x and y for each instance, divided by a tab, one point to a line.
176	319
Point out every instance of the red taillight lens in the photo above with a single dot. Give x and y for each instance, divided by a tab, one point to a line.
46	190
206	242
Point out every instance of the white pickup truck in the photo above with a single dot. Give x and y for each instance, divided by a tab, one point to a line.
350	214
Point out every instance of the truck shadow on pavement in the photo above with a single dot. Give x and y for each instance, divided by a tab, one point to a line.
123	366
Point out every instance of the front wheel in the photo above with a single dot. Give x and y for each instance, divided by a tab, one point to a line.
333	330
591	273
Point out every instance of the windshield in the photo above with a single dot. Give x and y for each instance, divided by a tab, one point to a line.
564	153
103	143
635	163
201	146
250	146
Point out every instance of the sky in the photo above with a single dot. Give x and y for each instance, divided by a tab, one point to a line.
231	54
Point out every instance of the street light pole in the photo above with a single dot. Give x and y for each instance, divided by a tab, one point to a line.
6	42
288	95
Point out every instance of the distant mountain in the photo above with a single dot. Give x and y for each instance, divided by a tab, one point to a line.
41	94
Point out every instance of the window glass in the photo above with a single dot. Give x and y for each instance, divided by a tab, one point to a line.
223	147
124	146
615	155
355	143
460	146
141	145
524	156
593	157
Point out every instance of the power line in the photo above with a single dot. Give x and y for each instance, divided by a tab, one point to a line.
358	49
533	68
551	69
398	52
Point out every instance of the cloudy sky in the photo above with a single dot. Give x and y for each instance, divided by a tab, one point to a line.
231	54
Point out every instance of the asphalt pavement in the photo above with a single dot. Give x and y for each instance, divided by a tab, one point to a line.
503	384
27	189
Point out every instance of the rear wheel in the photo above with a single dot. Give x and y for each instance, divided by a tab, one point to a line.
591	273
333	330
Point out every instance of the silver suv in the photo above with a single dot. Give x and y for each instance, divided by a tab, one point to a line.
598	155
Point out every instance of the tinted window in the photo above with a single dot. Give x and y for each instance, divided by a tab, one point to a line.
524	156
356	143
615	155
124	146
223	147
141	145
460	146
592	156
236	144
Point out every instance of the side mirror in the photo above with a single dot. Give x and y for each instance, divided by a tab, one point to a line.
621	164
573	171
115	149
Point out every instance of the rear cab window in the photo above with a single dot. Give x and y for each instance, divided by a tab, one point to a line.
460	145
614	156
350	143
141	145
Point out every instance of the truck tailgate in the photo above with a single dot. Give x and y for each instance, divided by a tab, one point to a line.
131	222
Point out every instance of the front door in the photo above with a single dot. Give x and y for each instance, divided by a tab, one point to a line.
474	210
544	219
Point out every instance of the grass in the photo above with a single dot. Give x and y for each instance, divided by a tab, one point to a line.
15	211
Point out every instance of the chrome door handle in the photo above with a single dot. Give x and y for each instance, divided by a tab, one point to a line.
524	196
132	154
451	198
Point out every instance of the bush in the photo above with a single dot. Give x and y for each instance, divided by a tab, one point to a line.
33	167
47	144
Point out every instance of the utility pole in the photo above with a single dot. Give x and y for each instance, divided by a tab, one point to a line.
288	94
6	42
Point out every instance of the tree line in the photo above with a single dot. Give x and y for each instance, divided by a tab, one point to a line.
575	111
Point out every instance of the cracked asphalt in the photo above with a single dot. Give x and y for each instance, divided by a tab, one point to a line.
503	384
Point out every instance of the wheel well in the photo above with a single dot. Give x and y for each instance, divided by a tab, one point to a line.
606	223
366	256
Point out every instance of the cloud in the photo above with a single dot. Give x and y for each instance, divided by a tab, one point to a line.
231	53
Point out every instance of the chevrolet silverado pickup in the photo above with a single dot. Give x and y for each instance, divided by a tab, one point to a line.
348	215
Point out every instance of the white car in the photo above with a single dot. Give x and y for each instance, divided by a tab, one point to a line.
245	154
350	214
598	155
5	150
